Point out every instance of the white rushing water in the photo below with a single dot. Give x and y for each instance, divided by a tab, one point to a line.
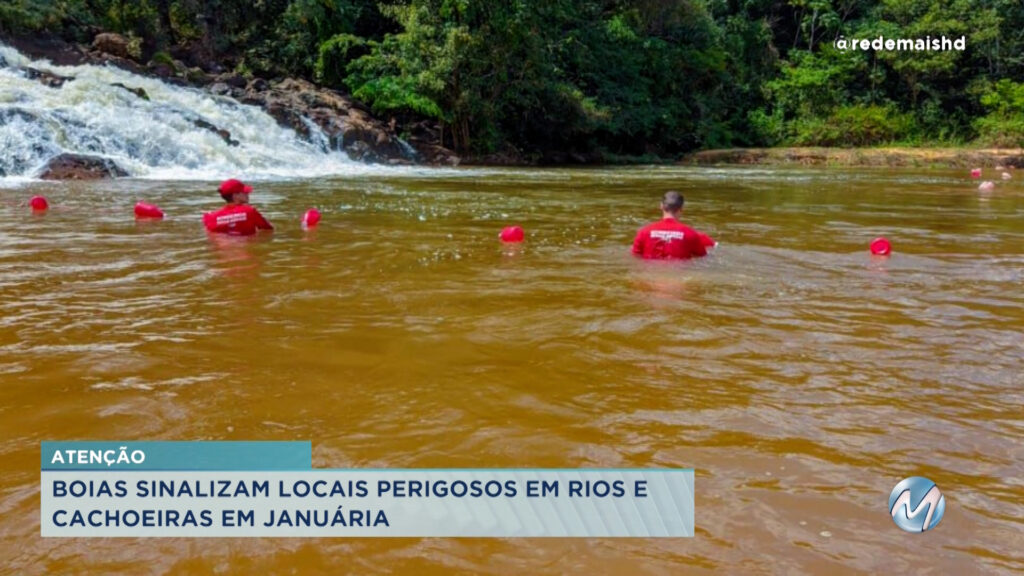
156	138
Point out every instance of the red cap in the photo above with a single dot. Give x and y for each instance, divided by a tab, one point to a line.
233	186
512	234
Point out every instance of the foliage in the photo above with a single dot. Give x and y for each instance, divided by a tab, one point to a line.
334	57
21	16
768	129
860	125
619	78
1003	126
31	16
417	69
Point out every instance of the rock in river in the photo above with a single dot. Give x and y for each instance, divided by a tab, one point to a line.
80	167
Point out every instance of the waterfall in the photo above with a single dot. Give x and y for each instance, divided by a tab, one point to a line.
149	128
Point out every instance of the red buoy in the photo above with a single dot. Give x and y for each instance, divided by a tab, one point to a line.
38	203
311	218
512	234
976	173
144	210
881	247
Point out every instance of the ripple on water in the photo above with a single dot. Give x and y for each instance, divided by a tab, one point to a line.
800	377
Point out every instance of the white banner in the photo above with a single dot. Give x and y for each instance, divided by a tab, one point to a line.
368	503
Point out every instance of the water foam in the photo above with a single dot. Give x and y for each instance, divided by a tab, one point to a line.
155	138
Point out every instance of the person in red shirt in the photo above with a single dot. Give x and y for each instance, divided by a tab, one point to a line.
669	238
238	218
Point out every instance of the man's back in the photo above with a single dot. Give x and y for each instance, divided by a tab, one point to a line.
236	219
670	239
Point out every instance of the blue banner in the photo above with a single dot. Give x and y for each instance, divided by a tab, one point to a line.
254	456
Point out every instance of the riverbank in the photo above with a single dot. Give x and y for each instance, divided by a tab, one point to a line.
333	120
912	157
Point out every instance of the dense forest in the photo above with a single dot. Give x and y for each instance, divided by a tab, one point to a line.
614	78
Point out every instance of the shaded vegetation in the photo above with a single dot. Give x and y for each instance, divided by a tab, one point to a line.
605	78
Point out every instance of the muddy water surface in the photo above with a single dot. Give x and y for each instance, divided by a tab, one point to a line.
800	377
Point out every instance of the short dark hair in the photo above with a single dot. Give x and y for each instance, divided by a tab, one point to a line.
227	197
672	201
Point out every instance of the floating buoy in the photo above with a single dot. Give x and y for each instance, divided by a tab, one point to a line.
311	218
976	173
881	247
987	185
1006	176
512	234
38	203
144	210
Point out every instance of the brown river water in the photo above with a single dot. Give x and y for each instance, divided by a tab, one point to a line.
799	376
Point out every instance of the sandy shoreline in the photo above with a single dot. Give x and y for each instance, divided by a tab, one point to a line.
918	157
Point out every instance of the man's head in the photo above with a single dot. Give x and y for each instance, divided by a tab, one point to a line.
234	191
672	202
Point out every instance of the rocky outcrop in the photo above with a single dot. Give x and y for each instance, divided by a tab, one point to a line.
46	78
331	119
320	115
53	48
424	137
224	134
80	167
43	77
435	155
113	44
137	91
